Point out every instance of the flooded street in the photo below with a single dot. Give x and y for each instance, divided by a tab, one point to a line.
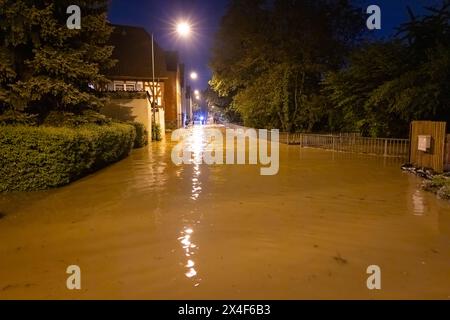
146	228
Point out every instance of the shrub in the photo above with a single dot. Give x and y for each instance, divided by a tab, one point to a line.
434	184
141	139
439	185
36	158
156	132
444	192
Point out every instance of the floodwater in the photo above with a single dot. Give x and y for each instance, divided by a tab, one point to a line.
145	228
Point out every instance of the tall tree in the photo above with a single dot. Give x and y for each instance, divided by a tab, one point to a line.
388	84
271	59
223	105
46	66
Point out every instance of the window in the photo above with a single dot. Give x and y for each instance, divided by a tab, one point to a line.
131	87
119	87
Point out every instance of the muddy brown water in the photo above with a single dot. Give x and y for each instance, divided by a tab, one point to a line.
145	228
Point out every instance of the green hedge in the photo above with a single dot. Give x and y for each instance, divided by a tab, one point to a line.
141	139
36	158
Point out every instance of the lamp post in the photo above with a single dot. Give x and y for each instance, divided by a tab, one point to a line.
153	81
183	29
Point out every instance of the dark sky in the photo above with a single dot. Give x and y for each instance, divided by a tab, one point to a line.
159	16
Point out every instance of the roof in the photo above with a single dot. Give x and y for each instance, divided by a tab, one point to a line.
133	50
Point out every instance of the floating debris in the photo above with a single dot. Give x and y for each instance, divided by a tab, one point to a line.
421	172
339	259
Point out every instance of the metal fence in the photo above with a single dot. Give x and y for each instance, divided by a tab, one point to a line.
350	143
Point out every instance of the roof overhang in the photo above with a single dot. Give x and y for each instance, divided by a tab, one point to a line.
131	78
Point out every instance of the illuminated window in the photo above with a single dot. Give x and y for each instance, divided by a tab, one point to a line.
119	87
131	87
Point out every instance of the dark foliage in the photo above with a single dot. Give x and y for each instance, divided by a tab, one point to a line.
35	158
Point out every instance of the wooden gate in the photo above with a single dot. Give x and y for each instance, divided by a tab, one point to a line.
433	139
447	154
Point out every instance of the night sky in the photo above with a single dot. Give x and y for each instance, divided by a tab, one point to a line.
159	16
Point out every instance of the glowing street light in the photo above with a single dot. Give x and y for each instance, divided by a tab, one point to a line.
183	29
197	93
194	75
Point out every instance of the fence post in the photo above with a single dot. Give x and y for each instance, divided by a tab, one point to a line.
385	147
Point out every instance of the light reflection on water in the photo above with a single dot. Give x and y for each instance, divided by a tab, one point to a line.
196	144
418	203
189	249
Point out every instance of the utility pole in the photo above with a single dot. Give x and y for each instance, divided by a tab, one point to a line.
153	81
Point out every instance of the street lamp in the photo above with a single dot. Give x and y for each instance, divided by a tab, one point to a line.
194	75
183	29
197	93
153	82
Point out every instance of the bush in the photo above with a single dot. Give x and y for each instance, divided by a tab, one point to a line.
36	158
444	192
439	185
434	184
141	139
156	132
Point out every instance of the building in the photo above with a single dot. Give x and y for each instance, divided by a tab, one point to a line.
133	72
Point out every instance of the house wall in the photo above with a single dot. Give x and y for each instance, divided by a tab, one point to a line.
160	119
170	95
433	159
130	110
173	98
160	91
179	100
